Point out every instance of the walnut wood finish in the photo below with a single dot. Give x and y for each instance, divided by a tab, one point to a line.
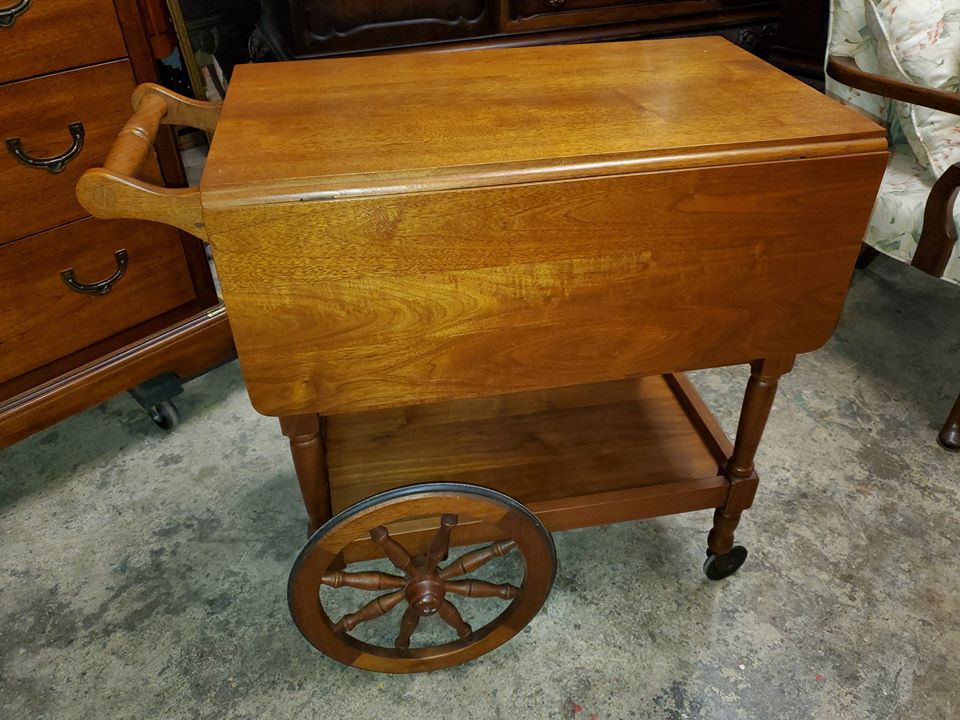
800	40
498	290
845	70
310	28
55	36
186	347
113	192
527	15
52	35
43	319
38	111
424	584
526	219
416	280
757	401
533	446
308	444
556	113
939	234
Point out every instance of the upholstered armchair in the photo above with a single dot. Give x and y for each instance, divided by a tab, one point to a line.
899	62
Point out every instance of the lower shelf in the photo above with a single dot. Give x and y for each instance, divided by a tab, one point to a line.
576	456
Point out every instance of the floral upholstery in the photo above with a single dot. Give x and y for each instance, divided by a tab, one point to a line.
895	38
849	36
918	41
897	217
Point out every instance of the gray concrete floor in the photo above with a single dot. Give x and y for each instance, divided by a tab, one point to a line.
142	575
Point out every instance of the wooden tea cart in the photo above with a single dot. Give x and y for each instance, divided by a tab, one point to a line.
468	285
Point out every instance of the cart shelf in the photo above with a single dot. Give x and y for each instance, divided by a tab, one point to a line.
576	456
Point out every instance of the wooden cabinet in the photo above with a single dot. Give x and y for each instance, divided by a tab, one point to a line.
87	308
50	36
310	28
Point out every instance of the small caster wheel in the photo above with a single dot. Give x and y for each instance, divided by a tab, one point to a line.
164	414
717	567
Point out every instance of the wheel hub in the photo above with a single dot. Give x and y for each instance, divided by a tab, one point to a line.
425	594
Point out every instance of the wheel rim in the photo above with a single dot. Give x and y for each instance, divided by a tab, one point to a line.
428	584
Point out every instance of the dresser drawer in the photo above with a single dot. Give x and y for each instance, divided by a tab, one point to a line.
535	7
51	35
43	319
40	112
545	14
321	26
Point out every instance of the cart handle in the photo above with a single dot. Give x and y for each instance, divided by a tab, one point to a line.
113	191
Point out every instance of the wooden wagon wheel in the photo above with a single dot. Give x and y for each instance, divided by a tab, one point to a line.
426	579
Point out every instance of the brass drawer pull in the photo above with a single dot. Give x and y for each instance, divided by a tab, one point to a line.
8	16
98	288
53	164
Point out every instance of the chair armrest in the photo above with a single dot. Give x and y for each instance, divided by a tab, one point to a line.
939	233
845	69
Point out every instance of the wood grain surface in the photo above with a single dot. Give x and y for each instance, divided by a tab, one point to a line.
186	348
407	121
43	319
341	306
535	446
38	111
57	34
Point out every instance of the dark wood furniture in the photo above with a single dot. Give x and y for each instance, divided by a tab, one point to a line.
89	308
298	29
939	234
493	287
800	40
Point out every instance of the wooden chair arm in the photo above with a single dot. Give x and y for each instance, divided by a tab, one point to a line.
939	234
845	69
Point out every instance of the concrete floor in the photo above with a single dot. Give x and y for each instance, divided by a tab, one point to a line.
143	575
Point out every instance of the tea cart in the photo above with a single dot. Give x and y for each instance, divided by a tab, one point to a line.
468	284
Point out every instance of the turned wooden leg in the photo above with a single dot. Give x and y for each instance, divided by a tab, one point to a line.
308	445
757	401
949	436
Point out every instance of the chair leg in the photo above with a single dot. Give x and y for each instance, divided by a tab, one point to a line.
949	436
866	256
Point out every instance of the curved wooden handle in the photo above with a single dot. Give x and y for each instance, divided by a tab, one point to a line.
113	190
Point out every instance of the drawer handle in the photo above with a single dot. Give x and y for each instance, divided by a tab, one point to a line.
98	288
54	164
8	16
113	191
556	3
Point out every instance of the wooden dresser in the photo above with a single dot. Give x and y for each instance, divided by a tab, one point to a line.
311	28
88	308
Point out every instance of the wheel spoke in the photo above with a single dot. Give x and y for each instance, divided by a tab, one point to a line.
375	608
474	559
451	616
441	541
408	623
482	589
393	550
364	580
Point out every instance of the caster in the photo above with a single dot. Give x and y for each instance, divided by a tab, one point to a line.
155	396
425	584
164	414
717	567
